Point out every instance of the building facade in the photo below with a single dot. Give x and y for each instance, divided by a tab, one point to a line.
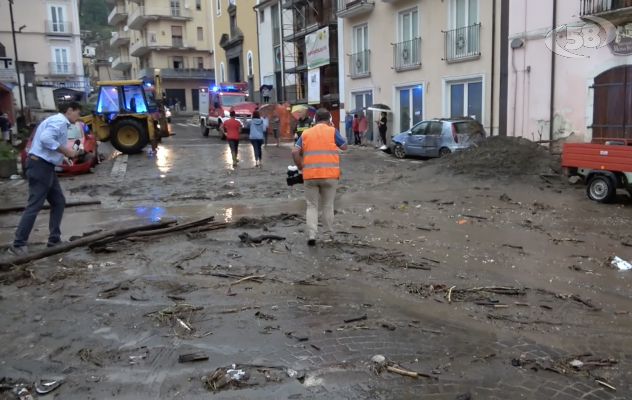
173	36
272	22
49	51
425	59
235	39
579	93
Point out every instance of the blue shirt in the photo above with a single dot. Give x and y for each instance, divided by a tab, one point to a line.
337	138
50	134
348	121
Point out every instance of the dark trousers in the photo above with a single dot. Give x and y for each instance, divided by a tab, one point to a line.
256	147
43	186
233	144
358	139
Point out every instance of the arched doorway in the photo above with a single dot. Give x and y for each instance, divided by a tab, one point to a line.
612	105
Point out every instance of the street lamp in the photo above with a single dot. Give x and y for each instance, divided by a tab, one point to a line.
17	61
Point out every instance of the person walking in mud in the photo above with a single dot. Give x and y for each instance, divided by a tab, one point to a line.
258	130
316	155
48	150
231	128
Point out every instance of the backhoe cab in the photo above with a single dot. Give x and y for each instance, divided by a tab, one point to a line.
130	114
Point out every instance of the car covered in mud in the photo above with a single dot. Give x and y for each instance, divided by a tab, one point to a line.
84	162
437	138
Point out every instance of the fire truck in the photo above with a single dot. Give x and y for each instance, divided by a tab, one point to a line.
217	102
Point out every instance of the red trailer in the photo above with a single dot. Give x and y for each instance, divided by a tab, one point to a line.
605	165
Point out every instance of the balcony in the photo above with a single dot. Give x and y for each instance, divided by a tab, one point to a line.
615	11
139	48
122	63
61	69
177	73
407	55
119	39
144	14
360	64
117	15
462	44
354	8
59	28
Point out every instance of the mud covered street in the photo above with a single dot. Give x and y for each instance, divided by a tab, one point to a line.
489	276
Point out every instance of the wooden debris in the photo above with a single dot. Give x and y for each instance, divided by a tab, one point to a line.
474	216
192	357
402	372
356	319
255	278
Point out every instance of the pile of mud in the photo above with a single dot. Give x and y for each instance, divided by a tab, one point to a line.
502	157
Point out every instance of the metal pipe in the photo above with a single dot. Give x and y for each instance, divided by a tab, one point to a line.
553	55
17	61
504	68
491	113
257	11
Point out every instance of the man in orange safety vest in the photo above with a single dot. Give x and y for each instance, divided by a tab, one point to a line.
316	155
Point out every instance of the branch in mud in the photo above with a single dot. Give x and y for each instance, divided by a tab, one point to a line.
64	247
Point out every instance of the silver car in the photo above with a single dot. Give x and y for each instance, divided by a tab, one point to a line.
437	137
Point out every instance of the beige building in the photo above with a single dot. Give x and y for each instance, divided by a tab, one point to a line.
424	59
49	45
235	38
174	36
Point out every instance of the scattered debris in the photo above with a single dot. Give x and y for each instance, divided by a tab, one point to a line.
192	357
464	396
620	264
355	319
261	315
396	260
247	239
295	374
223	377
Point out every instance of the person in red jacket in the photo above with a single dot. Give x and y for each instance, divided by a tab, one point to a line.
355	125
232	128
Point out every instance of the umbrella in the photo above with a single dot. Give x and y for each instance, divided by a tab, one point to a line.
267	109
380	108
311	111
356	110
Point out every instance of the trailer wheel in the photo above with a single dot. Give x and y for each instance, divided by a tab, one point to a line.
601	189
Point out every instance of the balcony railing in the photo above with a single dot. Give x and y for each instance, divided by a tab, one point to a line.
138	48
462	43
592	7
117	15
61	28
354	8
178	73
407	55
61	68
122	63
360	64
177	42
142	14
119	38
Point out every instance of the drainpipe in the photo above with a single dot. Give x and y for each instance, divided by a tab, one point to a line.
552	100
503	96
257	11
491	113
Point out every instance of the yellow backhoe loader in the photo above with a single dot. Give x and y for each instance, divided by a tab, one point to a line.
130	114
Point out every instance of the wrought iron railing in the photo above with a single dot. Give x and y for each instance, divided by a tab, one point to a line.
58	27
61	68
590	7
462	43
359	64
407	54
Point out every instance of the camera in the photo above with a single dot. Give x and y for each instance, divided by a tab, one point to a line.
294	176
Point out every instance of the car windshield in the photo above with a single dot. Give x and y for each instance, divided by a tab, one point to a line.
229	101
151	98
74	132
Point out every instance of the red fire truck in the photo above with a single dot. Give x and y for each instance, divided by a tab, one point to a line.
217	102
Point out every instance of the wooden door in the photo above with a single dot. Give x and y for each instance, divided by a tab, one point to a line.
612	106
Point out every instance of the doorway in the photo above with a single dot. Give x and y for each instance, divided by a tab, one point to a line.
179	95
362	100
410	104
612	105
234	70
195	99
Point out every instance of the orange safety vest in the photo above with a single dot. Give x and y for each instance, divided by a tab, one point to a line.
321	158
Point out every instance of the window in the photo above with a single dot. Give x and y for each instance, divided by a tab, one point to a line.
176	36
175	8
277	58
200	34
262	16
465	13
408	25
177	62
60	64
463	39
420	129
198	5
108	99
435	128
218	7
133	99
249	63
198	62
360	38
58	22
221	73
466	99
276	26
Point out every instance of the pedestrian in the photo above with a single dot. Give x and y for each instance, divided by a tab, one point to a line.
349	126
363	127
266	121
258	128
303	123
316	155
48	150
276	127
356	130
5	127
231	128
381	127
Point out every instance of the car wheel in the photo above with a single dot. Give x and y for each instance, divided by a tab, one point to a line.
601	189
204	129
399	152
444	152
129	135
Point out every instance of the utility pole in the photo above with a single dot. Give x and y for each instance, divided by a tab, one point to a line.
17	61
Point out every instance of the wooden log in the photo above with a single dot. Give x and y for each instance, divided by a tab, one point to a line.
64	247
402	372
4	210
108	240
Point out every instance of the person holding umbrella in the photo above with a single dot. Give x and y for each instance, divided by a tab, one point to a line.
381	127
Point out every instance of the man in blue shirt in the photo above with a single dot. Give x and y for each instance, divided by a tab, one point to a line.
48	150
349	126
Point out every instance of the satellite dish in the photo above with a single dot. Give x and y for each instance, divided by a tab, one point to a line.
110	59
126	28
186	5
